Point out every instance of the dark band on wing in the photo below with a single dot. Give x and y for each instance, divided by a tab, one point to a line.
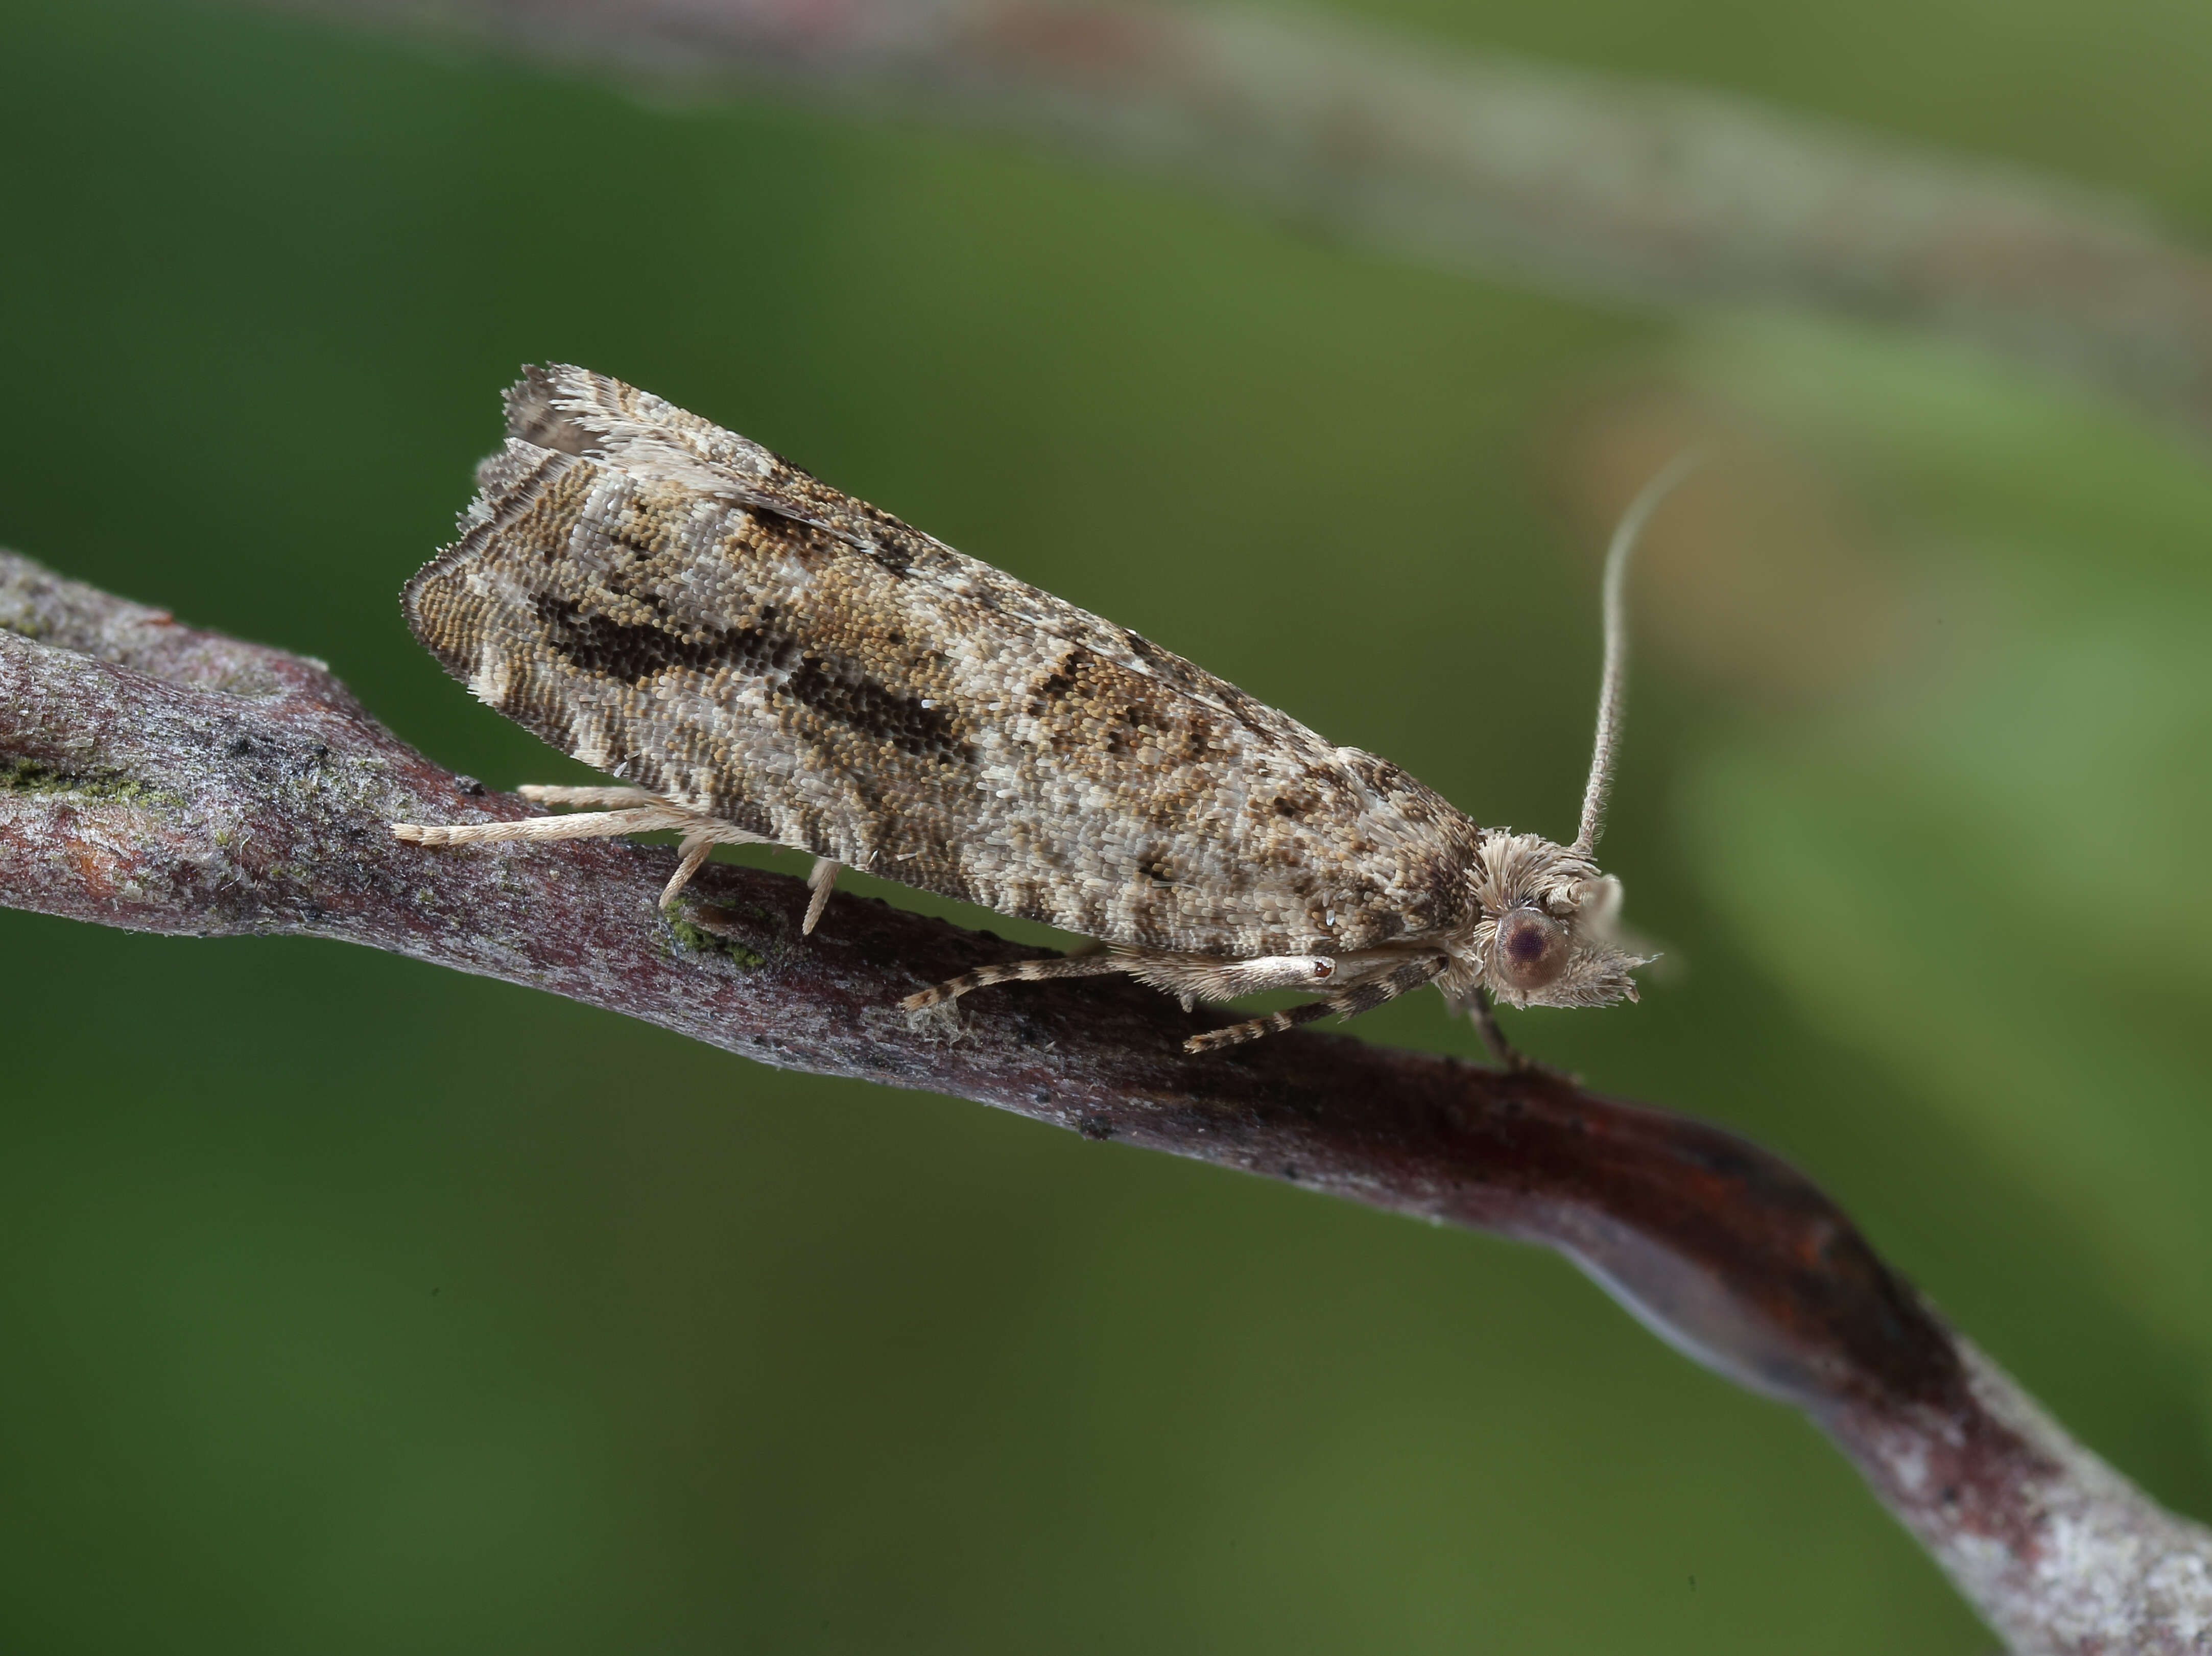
636	653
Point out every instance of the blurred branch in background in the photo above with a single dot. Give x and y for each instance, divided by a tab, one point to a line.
1651	193
163	779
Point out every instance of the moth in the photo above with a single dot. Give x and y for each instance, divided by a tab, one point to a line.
760	660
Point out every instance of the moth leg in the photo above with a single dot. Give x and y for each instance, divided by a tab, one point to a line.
1369	991
698	843
1503	1052
695	850
540	794
1192	975
1018	971
1237	1034
582	825
821	880
1207	978
633	811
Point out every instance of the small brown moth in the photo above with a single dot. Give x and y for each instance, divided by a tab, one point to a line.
764	660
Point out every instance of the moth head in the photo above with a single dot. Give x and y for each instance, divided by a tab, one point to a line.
1548	935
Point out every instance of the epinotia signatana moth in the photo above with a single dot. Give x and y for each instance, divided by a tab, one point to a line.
764	660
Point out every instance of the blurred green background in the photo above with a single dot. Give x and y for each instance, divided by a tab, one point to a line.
352	1306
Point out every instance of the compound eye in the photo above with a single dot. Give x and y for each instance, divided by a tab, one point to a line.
1532	949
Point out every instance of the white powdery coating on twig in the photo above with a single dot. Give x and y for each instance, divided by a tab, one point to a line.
2064	1555
2112	1572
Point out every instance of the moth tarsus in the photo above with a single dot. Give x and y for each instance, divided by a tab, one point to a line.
762	659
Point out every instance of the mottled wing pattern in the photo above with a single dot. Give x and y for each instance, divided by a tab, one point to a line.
679	608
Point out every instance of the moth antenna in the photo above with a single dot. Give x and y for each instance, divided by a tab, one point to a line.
1613	687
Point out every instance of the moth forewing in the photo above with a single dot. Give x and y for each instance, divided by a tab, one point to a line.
760	659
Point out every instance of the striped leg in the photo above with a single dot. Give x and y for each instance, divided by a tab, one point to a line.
1019	971
1362	995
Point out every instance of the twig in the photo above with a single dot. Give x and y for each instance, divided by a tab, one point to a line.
163	779
1649	193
